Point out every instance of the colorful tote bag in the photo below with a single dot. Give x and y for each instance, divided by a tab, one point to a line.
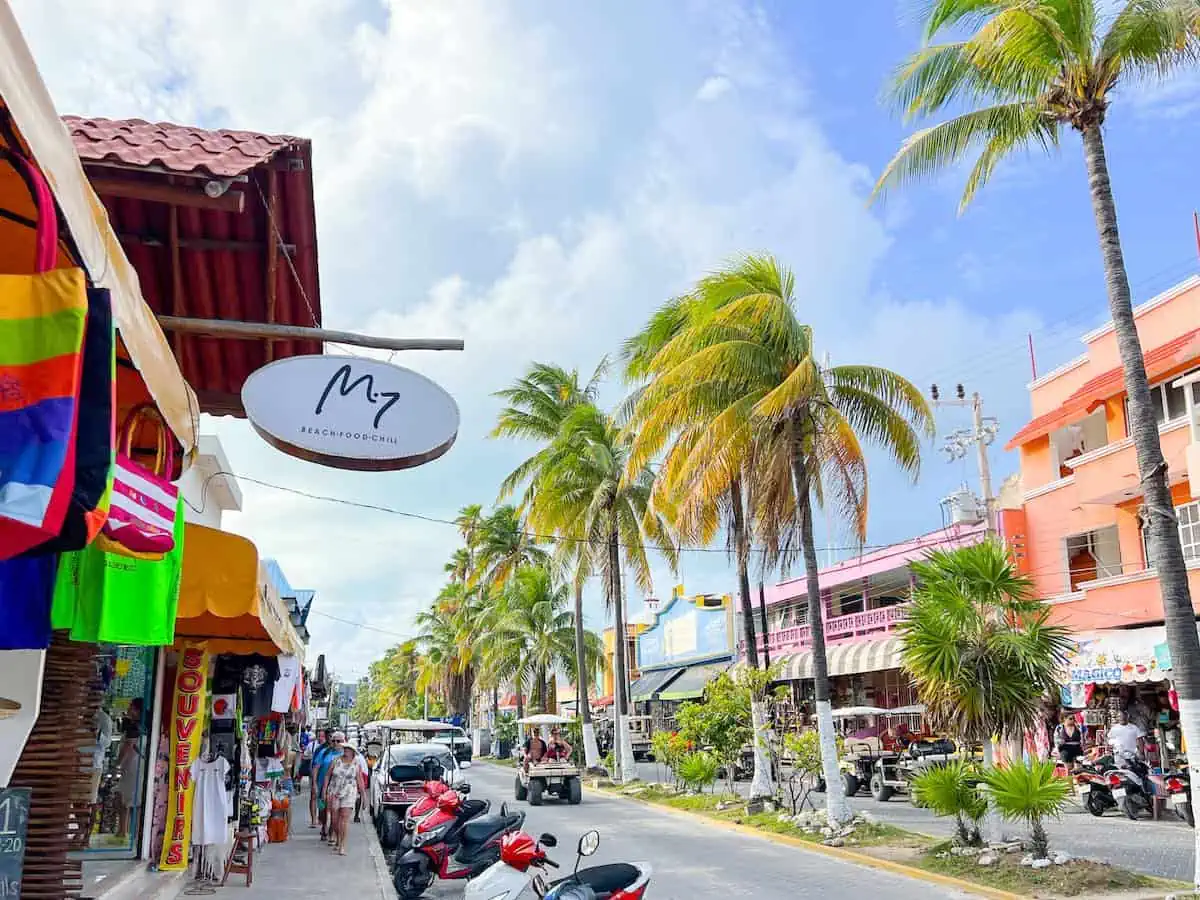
141	516
42	324
94	431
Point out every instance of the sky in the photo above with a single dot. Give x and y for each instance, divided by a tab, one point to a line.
535	177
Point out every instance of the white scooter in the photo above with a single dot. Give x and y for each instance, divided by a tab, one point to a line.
517	876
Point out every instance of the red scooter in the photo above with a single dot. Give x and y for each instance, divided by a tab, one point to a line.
423	808
459	839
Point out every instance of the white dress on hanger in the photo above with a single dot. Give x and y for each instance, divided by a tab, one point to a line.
210	802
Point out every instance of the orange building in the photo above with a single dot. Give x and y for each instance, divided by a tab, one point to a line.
1082	537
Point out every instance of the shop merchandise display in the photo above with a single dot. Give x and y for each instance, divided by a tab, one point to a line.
26	593
286	686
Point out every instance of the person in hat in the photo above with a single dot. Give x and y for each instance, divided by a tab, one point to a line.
344	785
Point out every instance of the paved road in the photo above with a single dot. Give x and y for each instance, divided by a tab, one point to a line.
692	860
1164	848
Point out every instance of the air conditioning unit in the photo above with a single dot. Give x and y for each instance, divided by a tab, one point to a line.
963	507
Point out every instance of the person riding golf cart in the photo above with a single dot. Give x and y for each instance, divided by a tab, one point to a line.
544	763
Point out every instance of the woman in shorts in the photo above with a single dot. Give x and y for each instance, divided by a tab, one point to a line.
343	785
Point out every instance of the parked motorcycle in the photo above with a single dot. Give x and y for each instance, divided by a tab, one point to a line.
1092	786
1131	787
1179	795
522	859
424	807
459	840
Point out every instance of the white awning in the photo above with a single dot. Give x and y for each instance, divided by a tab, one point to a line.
847	659
32	111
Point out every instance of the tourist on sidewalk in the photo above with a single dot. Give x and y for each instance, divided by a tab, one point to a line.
322	757
344	784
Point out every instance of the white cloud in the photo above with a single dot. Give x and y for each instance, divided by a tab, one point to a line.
534	178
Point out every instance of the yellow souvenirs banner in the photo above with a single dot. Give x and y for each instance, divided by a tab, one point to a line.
187	730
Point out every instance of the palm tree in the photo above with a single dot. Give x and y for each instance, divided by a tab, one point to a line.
536	407
505	546
587	492
800	423
537	619
1030	70
979	647
717	492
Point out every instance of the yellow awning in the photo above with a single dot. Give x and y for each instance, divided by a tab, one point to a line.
28	102
226	597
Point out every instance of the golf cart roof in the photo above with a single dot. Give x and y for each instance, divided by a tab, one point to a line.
915	709
852	711
421	725
546	719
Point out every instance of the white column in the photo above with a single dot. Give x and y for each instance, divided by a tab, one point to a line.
156	722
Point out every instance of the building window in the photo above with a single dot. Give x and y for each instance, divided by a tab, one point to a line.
1170	404
1092	556
1189	531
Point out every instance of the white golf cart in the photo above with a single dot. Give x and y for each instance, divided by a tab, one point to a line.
562	778
408	758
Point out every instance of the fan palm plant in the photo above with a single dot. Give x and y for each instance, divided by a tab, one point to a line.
800	425
1027	71
953	790
537	405
1031	794
587	492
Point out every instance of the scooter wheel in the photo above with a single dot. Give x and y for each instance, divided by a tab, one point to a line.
1130	806
411	882
1095	805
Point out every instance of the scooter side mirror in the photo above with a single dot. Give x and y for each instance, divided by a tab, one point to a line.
548	840
589	843
463	787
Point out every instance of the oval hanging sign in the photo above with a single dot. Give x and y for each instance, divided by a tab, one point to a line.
350	413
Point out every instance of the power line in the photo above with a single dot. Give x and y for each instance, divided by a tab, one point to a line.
396	634
546	538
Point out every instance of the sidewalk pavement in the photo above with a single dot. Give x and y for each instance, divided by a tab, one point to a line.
303	866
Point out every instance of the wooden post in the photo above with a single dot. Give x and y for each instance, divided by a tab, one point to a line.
273	239
176	279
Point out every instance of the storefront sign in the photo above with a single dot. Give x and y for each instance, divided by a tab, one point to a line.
350	413
187	729
14	820
686	632
1096	675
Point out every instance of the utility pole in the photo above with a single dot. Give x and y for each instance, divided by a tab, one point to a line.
982	433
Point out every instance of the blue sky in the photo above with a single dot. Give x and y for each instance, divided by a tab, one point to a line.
535	177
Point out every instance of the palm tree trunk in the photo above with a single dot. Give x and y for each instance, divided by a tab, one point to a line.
591	752
837	809
622	743
741	542
1165	544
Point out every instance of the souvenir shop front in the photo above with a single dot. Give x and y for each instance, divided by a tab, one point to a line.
1120	671
233	696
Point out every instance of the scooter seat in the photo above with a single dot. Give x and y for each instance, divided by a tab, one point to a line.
479	830
604	880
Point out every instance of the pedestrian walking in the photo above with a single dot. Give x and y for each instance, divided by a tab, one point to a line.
344	784
315	804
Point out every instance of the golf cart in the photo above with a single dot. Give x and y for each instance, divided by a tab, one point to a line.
408	759
562	778
861	754
640	730
894	772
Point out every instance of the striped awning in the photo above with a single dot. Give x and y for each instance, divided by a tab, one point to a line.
847	659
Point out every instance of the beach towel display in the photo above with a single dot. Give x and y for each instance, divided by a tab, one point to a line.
43	318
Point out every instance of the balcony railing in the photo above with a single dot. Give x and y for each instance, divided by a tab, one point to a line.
854	626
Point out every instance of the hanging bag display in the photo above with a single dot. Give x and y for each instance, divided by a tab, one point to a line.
42	324
141	516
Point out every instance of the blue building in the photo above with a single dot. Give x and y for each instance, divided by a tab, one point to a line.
690	642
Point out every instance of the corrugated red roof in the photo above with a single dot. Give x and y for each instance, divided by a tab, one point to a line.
222	253
1159	362
177	148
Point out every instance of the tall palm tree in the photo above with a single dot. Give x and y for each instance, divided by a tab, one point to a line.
505	546
979	646
806	424
537	619
537	405
718	494
587	492
1030	70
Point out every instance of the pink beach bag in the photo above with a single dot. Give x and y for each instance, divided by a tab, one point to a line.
141	519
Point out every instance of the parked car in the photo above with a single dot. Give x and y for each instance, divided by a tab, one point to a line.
458	742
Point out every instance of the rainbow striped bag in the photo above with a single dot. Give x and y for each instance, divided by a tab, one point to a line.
43	318
143	505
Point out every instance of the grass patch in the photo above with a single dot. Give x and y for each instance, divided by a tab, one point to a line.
1077	878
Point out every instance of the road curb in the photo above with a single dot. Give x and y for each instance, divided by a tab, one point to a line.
383	876
862	859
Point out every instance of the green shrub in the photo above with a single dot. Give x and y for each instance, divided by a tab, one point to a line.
698	770
506	729
1030	794
953	790
610	762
